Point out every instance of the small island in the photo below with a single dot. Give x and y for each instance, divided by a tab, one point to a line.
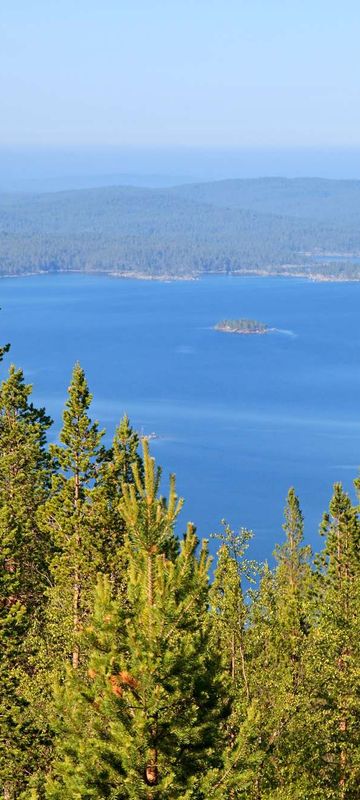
246	326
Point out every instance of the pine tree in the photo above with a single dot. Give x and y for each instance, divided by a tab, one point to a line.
106	519
124	673
292	579
336	650
66	517
24	479
229	601
278	644
291	629
149	705
229	597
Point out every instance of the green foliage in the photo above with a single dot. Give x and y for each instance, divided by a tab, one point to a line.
150	702
24	479
278	644
67	515
3	350
336	647
115	470
241	326
222	227
128	670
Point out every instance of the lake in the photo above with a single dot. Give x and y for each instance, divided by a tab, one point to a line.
239	418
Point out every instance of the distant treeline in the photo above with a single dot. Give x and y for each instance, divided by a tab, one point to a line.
223	227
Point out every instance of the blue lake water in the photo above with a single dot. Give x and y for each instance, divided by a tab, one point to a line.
239	418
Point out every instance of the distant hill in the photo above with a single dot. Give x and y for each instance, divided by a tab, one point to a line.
273	225
336	201
73	182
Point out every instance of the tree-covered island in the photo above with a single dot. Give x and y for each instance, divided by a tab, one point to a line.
242	326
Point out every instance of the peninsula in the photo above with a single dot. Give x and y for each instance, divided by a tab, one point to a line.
274	226
246	326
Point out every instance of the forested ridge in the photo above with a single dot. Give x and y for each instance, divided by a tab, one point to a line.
131	664
275	226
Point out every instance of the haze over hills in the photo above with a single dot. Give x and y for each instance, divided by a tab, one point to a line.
312	198
272	225
69	182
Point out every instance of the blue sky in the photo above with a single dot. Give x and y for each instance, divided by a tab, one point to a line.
180	72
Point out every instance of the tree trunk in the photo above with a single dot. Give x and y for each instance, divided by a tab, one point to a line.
233	656
152	771
150	579
76	611
77	584
243	669
343	727
8	791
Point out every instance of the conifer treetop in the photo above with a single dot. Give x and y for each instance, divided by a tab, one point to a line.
79	436
149	519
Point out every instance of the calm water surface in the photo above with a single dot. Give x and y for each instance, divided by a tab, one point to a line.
239	418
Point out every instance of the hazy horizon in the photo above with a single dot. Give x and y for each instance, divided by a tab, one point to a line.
54	168
179	74
159	94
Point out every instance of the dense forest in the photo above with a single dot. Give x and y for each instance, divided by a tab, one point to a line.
336	201
131	664
276	226
241	326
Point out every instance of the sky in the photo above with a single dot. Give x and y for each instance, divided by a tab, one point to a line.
180	73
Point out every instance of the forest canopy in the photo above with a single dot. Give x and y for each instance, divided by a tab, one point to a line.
132	665
275	226
242	326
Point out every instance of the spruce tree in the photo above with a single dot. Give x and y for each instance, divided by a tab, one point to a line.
149	706
229	598
280	625
116	652
24	480
336	650
66	517
292	582
292	753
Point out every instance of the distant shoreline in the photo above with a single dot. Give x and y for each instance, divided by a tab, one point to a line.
143	276
314	277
